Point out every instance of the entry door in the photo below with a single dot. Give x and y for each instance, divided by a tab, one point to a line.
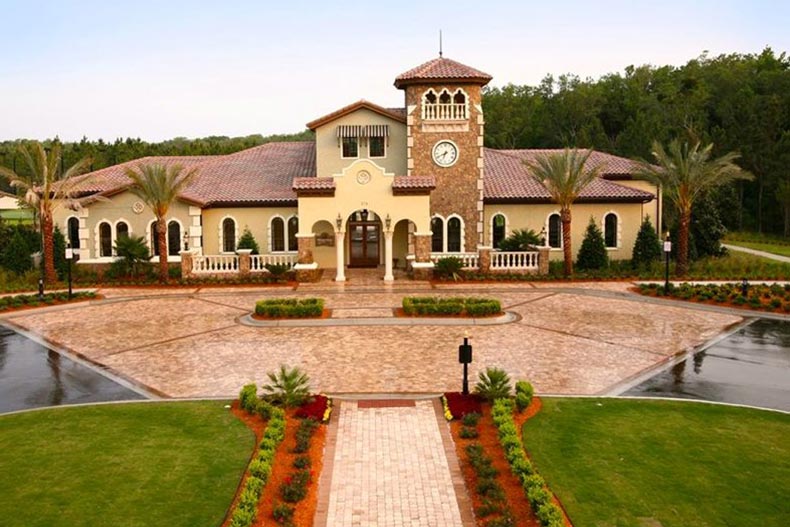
364	244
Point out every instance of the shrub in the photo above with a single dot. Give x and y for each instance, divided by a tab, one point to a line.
16	256
288	387
133	255
494	383
303	435
647	248
471	419
261	469
247	241
283	514
290	307
524	393
520	240
294	488
592	254
415	305
301	462
314	409
248	398
447	268
467	432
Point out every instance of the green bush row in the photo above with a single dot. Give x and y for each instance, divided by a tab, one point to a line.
10	302
260	468
534	486
471	306
758	296
290	307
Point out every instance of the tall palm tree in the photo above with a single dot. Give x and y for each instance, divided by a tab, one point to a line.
564	175
47	188
685	173
159	186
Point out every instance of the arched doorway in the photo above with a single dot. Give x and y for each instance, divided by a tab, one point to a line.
364	239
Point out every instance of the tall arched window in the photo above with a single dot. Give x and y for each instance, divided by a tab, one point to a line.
278	235
229	235
454	235
293	228
105	239
610	230
121	230
498	230
73	229
437	239
173	238
555	231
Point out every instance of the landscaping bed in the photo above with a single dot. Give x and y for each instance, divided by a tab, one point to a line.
17	302
469	307
668	463
155	464
759	297
279	308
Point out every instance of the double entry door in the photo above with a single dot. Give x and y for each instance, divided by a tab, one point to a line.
363	243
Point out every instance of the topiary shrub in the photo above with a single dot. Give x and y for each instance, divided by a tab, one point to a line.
494	383
247	241
647	248
592	254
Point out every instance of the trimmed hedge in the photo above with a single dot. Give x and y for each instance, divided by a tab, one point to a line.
469	306
290	307
548	513
11	302
260	468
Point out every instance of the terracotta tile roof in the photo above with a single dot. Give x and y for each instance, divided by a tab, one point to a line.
398	114
113	179
442	68
413	182
260	175
313	183
507	179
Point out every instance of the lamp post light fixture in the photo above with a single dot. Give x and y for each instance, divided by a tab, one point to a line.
667	251
186	241
388	222
543	236
465	357
339	222
69	258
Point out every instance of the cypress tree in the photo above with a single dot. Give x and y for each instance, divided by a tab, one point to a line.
592	254
247	241
647	248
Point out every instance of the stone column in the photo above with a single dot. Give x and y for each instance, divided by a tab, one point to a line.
388	277
484	259
340	251
422	266
306	268
244	261
186	264
543	260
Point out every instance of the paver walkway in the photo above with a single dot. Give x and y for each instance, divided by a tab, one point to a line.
390	469
770	256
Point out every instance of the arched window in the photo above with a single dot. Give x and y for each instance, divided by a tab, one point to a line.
498	230
173	238
437	239
454	235
278	234
229	235
610	230
444	97
555	231
105	239
459	97
121	230
73	229
293	228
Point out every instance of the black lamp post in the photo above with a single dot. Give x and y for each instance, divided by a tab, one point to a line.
667	251
465	357
69	258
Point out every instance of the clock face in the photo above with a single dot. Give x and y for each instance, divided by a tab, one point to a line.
445	153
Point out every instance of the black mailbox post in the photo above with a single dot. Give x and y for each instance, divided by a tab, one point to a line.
465	357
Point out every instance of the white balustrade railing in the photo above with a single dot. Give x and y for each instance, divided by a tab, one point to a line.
444	112
514	260
468	260
215	264
258	262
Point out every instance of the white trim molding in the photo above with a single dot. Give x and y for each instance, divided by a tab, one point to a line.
222	234
548	231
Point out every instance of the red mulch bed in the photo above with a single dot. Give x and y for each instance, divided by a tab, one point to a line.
304	510
711	302
399	313
326	313
517	501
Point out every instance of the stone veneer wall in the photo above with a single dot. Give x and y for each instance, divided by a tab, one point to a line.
459	188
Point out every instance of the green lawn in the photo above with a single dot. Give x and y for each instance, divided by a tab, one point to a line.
619	463
168	464
782	250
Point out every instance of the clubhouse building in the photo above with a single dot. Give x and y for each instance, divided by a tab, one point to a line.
389	188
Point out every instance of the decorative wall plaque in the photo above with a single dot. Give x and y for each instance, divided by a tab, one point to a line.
138	207
363	177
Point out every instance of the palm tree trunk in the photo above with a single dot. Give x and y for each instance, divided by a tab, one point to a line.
50	276
565	218
161	229
683	243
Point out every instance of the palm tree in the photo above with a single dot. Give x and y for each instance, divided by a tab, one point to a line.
46	189
158	186
564	175
685	173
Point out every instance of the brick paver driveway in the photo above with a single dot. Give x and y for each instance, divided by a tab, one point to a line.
188	342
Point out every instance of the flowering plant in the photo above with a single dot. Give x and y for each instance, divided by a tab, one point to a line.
457	405
318	409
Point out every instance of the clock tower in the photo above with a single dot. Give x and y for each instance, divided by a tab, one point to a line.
444	138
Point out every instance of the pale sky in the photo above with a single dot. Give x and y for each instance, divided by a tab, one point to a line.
161	69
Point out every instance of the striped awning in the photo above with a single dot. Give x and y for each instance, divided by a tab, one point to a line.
356	130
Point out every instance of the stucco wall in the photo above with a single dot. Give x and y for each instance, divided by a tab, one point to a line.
257	219
328	152
653	209
535	217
